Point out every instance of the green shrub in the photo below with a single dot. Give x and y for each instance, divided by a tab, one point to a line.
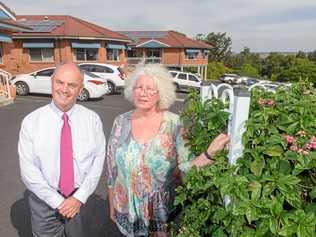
272	188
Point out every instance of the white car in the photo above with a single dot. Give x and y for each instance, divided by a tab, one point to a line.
230	78
185	80
40	82
114	75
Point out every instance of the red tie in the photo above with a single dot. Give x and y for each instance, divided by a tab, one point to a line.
66	179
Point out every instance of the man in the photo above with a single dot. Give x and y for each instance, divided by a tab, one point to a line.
62	151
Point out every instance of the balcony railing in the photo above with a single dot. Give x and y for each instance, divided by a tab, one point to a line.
143	60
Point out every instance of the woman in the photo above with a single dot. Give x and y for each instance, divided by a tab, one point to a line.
145	152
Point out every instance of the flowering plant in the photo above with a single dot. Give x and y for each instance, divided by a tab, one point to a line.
272	188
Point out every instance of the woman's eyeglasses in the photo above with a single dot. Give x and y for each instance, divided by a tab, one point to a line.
147	91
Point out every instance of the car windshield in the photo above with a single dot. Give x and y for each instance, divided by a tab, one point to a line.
90	74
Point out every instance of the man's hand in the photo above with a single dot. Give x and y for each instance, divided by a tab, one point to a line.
70	207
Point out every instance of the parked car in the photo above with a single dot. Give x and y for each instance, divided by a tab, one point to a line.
114	75
229	78
40	82
185	80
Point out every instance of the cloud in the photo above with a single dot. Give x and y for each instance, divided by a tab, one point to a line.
261	25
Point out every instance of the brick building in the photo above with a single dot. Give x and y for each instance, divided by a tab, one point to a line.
41	41
171	48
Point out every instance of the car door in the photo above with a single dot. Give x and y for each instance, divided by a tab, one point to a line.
42	81
193	81
182	80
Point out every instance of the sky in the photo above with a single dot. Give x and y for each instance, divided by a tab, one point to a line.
261	25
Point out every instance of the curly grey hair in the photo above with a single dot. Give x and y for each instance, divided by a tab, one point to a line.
162	80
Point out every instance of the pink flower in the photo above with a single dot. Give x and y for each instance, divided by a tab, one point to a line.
313	145
308	146
313	139
301	133
294	148
261	101
289	139
303	152
270	102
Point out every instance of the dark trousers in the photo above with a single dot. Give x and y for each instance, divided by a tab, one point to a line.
47	222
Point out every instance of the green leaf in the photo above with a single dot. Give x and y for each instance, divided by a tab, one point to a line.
312	194
288	230
273	224
257	166
255	188
274	151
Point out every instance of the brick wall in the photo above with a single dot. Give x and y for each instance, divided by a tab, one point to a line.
16	59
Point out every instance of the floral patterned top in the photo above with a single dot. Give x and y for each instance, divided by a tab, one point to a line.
143	176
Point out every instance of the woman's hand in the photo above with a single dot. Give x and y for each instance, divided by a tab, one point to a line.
218	144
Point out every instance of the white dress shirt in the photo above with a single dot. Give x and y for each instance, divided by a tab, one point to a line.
39	151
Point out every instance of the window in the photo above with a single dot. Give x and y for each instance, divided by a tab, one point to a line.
86	54
205	54
113	54
193	78
153	53
191	55
173	74
182	76
45	73
41	54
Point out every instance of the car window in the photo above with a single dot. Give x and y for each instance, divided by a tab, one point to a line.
182	76
85	67
107	69
45	73
173	74
193	78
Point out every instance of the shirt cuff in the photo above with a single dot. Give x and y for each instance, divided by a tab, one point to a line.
55	202
81	195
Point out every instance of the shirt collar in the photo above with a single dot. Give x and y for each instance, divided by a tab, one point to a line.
60	113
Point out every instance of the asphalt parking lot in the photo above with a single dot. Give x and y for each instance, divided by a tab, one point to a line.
14	211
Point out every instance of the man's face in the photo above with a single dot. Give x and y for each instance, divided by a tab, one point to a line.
67	84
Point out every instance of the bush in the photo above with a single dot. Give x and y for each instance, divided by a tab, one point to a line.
272	188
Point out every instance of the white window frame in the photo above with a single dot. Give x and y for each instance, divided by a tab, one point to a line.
114	56
85	55
188	54
51	59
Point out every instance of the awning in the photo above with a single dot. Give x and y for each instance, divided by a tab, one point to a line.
77	45
115	46
5	38
38	45
192	50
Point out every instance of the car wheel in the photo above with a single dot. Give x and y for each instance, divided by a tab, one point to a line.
111	87
22	88
84	95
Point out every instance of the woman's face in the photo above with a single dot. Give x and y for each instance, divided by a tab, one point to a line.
146	95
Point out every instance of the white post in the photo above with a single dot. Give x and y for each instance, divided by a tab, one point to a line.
239	102
237	124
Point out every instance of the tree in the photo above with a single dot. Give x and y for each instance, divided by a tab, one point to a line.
221	43
248	70
245	57
312	56
215	69
301	54
299	71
